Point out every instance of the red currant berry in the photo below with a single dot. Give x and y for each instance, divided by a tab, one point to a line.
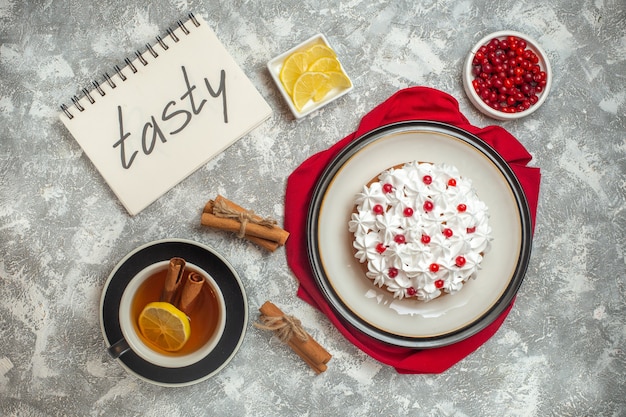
411	291
378	209
452	182
427	179
425	239
400	239
408	212
471	229
439	283
447	232
434	267
387	188
380	248
459	261
461	207
428	206
392	272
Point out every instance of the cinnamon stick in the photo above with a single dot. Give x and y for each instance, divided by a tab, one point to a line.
308	349
190	292
264	243
173	280
273	232
255	227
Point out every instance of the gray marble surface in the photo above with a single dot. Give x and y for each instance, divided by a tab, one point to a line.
561	351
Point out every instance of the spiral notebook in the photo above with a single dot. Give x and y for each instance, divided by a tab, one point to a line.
165	113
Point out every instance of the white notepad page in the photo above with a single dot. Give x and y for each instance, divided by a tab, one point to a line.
177	111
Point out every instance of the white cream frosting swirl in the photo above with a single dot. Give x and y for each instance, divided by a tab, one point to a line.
421	229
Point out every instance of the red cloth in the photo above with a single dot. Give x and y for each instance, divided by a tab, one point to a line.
415	103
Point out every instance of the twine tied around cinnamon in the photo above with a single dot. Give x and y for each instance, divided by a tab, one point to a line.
285	327
221	209
289	330
223	214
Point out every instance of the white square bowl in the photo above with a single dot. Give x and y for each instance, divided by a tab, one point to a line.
276	64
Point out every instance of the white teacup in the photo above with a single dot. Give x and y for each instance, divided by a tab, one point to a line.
133	341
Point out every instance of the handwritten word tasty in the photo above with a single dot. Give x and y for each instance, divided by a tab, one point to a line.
174	118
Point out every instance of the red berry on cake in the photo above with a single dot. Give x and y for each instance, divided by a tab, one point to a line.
378	209
380	248
447	232
428	206
411	291
408	212
392	272
452	182
387	188
425	239
439	283
427	179
459	261
399	239
461	208
434	267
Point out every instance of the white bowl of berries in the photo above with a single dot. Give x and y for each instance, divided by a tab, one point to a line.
507	75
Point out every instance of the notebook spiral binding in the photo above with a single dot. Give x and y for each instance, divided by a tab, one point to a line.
129	64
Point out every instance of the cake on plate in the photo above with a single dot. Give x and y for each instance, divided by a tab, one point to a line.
420	230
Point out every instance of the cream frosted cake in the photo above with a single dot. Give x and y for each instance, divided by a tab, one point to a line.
420	230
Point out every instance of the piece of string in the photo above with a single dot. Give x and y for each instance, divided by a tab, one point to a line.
221	209
284	326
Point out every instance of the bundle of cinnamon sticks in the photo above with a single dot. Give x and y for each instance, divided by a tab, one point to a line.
288	329
223	214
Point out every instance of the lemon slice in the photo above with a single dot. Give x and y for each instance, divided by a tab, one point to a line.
165	326
320	51
325	64
338	79
308	86
292	68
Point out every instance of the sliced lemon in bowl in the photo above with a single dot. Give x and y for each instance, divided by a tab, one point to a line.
338	79
308	86
325	64
164	325
295	64
318	51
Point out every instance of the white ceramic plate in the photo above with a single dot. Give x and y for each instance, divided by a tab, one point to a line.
276	64
373	310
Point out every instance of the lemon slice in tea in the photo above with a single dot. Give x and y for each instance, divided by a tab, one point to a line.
165	326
